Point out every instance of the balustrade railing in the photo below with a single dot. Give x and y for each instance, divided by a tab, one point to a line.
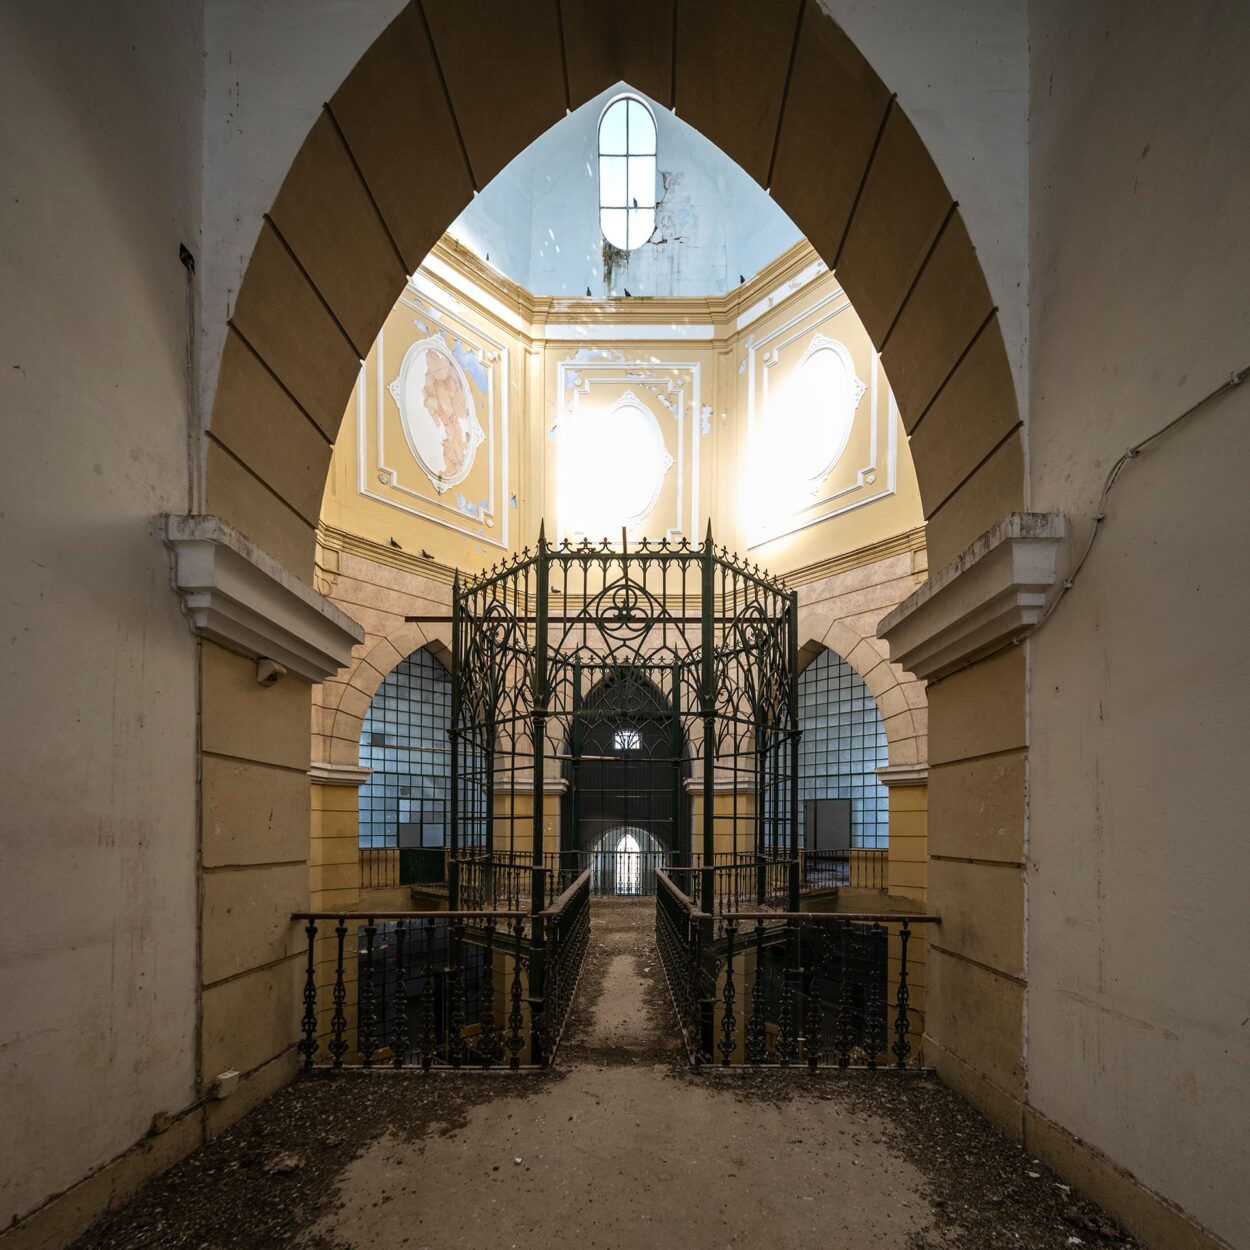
507	879
386	866
379	867
739	880
477	988
819	989
856	867
566	935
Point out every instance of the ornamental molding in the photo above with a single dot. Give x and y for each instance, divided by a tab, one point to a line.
239	596
399	392
903	775
990	595
523	783
720	785
325	774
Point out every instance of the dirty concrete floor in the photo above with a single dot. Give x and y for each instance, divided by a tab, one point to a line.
622	1148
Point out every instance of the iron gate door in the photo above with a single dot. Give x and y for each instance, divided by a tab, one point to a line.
625	773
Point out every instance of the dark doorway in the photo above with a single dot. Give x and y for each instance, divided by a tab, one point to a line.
627	808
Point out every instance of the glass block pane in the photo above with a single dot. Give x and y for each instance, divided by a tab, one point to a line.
409	713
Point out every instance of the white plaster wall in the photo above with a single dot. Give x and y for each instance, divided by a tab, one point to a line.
99	118
1138	923
539	219
961	72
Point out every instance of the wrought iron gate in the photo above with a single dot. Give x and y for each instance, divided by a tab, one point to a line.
635	688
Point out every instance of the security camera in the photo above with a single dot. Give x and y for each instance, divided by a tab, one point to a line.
268	671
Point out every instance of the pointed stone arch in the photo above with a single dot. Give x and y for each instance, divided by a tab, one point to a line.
341	744
440	102
444	98
903	717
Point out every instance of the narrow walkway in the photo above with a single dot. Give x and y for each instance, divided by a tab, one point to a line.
621	1148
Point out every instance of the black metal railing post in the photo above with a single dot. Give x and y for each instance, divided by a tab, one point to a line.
453	741
487	1039
399	999
366	1011
308	1044
338	1021
902	1024
707	698
792	624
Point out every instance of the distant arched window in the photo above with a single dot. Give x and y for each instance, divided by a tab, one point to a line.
627	173
403	741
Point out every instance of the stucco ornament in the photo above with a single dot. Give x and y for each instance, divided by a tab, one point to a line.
437	413
818	407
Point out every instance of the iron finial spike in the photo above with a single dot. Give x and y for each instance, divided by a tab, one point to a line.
542	530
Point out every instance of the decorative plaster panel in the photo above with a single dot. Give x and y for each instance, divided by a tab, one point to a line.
991	594
592	385
790	411
432	414
241	597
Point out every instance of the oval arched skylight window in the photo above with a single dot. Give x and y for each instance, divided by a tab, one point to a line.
627	173
819	406
612	468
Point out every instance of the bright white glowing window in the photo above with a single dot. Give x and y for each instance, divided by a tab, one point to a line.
627	173
627	740
819	405
611	469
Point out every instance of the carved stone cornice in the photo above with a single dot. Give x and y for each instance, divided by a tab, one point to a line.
326	774
239	596
773	282
903	775
991	594
883	549
330	539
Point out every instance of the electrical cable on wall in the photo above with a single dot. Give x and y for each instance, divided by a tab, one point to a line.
1234	379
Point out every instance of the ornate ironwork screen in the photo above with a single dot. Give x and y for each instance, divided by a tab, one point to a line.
570	658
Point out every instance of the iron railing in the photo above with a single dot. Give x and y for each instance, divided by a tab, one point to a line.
509	879
505	878
685	651
788	989
385	866
738	881
379	867
463	989
565	935
856	867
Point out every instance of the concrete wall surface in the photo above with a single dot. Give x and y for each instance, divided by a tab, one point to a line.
99	125
1138	861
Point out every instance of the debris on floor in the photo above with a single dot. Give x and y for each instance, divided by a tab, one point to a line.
621	1146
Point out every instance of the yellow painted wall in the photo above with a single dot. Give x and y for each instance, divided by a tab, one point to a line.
716	379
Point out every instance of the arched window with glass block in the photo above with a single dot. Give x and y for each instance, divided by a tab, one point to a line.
404	742
842	746
627	172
